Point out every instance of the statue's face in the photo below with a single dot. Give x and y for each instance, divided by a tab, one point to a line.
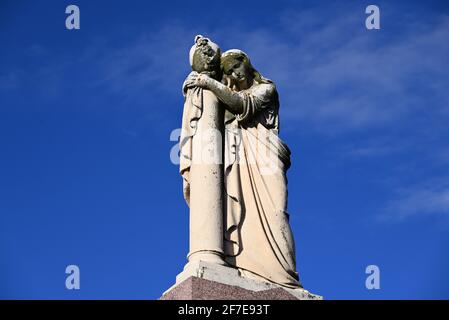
237	70
206	59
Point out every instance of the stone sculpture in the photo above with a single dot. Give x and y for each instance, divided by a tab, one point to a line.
234	165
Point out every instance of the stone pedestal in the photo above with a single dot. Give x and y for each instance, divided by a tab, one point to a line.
206	281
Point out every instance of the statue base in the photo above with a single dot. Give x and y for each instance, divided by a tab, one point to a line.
206	281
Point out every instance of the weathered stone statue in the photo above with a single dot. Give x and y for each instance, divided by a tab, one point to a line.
240	234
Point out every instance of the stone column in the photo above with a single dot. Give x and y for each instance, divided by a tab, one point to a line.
206	184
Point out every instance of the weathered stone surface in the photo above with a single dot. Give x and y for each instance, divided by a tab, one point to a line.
234	167
201	289
207	281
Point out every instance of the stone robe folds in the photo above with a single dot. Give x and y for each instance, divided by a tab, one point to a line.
201	166
193	109
258	237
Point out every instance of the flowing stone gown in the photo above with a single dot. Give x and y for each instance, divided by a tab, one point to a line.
258	237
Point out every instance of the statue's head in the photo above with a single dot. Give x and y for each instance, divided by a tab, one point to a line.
235	65
205	57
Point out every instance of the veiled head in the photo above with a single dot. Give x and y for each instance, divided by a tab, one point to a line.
236	65
205	56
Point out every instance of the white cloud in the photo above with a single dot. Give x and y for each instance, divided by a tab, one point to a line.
429	198
331	72
420	202
152	60
344	77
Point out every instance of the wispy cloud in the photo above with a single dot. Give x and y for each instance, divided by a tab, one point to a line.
338	75
153	60
369	149
332	73
419	201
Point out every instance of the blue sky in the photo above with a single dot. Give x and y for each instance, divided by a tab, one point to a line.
86	116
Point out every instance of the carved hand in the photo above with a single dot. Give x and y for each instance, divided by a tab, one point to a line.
198	80
232	100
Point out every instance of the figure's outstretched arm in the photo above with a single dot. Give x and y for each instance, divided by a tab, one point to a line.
233	101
